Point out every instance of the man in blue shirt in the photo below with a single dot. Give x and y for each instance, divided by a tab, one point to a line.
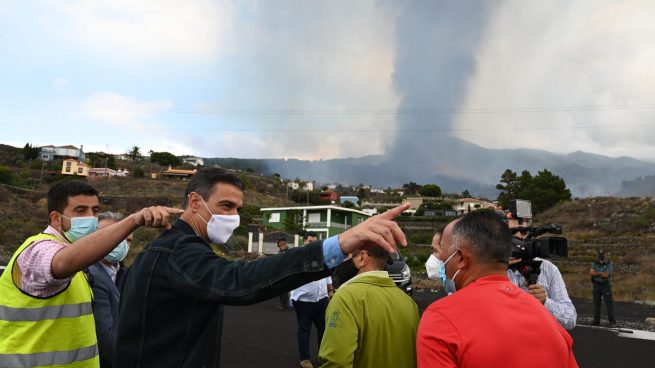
600	278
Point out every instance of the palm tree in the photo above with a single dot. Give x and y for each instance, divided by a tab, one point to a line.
135	153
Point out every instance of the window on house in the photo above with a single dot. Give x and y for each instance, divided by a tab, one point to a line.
80	170
275	217
68	169
314	217
68	164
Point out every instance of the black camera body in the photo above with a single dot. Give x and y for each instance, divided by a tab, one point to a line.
531	247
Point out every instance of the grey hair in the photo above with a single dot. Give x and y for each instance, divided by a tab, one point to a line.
111	216
485	234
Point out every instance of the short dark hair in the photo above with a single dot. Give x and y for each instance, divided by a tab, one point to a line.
379	255
281	240
485	233
204	180
310	233
59	193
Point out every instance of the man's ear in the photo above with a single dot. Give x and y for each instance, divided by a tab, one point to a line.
464	259
55	218
194	202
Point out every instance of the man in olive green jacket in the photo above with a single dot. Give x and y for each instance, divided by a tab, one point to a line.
370	322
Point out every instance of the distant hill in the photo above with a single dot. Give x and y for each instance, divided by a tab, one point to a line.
457	165
640	187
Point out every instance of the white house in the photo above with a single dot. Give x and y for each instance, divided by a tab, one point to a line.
293	185
50	152
193	161
122	172
466	205
102	172
309	186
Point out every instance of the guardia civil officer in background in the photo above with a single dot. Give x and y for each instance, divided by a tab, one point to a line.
600	273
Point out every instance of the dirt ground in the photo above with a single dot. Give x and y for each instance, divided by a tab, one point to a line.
260	336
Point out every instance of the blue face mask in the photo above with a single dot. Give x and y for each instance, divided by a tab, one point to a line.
81	226
448	284
119	253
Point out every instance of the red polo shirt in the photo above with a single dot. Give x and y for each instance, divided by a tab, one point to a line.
492	323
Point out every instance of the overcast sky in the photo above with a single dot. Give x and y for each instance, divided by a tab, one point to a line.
328	79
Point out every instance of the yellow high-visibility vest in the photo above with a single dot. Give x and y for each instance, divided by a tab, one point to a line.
42	332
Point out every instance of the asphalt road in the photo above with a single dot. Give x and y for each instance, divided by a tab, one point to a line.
260	336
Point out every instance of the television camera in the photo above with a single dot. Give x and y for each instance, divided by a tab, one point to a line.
531	245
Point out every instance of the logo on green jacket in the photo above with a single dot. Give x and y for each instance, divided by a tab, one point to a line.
333	319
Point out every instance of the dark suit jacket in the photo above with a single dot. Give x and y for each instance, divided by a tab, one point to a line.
106	299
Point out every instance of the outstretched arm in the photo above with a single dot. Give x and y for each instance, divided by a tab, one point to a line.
379	230
95	246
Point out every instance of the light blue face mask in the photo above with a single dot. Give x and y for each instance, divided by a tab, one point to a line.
448	284
118	254
81	226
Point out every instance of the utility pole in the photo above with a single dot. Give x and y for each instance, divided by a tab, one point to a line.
41	175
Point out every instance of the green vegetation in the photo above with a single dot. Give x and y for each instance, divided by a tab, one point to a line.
165	159
544	190
135	154
430	190
6	175
98	159
30	152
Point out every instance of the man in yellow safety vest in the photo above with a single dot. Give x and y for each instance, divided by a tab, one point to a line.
45	301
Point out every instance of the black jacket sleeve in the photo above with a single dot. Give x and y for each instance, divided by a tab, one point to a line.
197	271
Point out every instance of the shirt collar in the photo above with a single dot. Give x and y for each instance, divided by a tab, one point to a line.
52	231
375	273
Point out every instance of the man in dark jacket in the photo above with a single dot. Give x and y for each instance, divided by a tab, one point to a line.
171	312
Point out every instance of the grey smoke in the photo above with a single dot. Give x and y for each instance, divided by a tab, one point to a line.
435	58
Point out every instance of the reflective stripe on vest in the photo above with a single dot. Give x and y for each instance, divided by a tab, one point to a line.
49	358
52	312
56	331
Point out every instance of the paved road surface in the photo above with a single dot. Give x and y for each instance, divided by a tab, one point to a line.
260	336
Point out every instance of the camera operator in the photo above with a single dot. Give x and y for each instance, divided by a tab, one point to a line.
550	289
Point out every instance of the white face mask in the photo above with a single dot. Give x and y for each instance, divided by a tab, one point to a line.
432	267
220	227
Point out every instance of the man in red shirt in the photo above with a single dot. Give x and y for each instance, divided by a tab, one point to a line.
487	321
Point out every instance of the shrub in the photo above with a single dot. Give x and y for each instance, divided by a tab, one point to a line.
6	175
421	238
138	172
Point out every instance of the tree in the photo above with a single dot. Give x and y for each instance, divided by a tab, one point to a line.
430	190
411	188
509	187
543	191
362	194
135	153
547	189
164	159
467	194
30	152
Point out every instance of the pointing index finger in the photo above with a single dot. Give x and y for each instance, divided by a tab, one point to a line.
173	210
395	212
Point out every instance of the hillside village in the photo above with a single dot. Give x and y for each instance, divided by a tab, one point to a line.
276	206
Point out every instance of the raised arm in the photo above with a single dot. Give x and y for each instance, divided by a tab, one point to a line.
93	247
